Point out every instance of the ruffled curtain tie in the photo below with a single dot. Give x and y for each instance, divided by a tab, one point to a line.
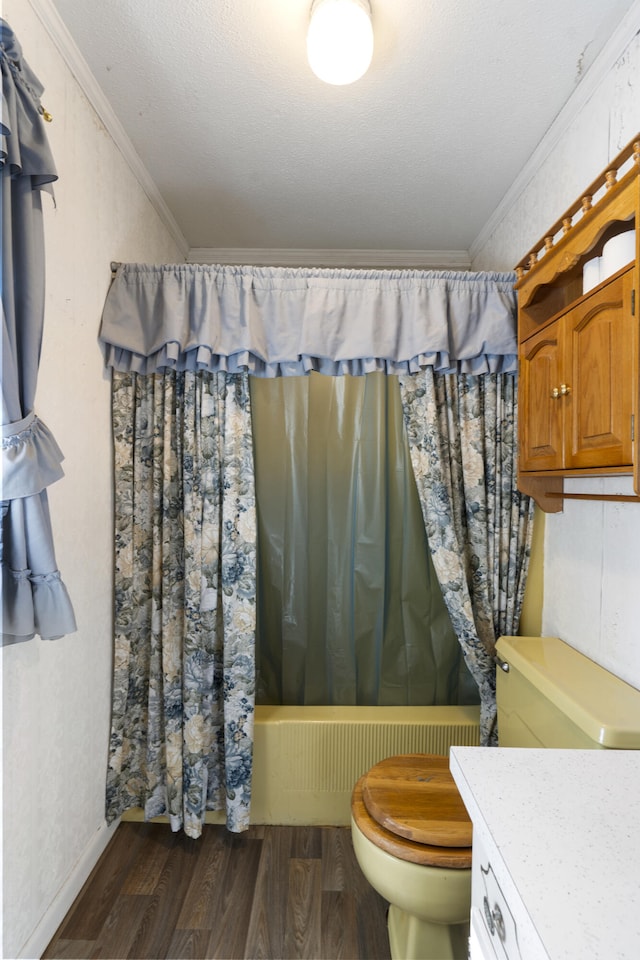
26	574
31	458
18	431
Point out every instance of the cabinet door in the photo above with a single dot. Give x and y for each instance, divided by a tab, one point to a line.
539	404
599	377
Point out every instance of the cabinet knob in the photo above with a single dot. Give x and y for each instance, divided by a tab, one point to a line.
564	390
555	394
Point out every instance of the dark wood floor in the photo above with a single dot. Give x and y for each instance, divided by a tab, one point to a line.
273	893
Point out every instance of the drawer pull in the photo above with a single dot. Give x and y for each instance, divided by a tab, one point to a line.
495	920
498	920
489	916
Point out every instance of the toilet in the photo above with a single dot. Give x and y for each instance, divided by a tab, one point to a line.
412	839
411	832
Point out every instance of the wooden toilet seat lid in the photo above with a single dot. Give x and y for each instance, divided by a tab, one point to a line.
415	796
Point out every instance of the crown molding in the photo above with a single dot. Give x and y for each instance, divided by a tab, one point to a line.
389	259
68	49
613	49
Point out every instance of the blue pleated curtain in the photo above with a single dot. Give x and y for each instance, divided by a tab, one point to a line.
34	598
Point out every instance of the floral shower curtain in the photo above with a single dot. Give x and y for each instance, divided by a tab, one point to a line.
463	440
181	341
184	676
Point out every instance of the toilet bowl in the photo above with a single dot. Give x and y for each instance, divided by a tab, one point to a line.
412	839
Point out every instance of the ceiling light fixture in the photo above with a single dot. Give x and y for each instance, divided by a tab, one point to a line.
340	40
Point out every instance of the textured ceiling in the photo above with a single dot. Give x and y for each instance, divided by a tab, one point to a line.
249	149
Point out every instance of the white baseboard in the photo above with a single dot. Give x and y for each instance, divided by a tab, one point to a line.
57	911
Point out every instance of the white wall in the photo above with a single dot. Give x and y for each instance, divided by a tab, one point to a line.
592	550
57	694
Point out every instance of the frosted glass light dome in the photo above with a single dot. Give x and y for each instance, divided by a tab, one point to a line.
340	40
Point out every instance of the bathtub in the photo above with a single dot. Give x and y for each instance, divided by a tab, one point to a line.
307	759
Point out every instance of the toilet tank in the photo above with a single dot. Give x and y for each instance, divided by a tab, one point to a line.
550	695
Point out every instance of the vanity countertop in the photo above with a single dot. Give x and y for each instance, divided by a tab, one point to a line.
562	828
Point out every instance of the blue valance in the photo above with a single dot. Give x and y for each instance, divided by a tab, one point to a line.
279	321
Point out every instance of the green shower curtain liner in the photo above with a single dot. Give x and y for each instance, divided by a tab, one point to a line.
349	608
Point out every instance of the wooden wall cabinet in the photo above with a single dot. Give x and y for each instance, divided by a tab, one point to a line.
578	354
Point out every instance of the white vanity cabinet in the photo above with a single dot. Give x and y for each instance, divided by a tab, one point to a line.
500	924
556	852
